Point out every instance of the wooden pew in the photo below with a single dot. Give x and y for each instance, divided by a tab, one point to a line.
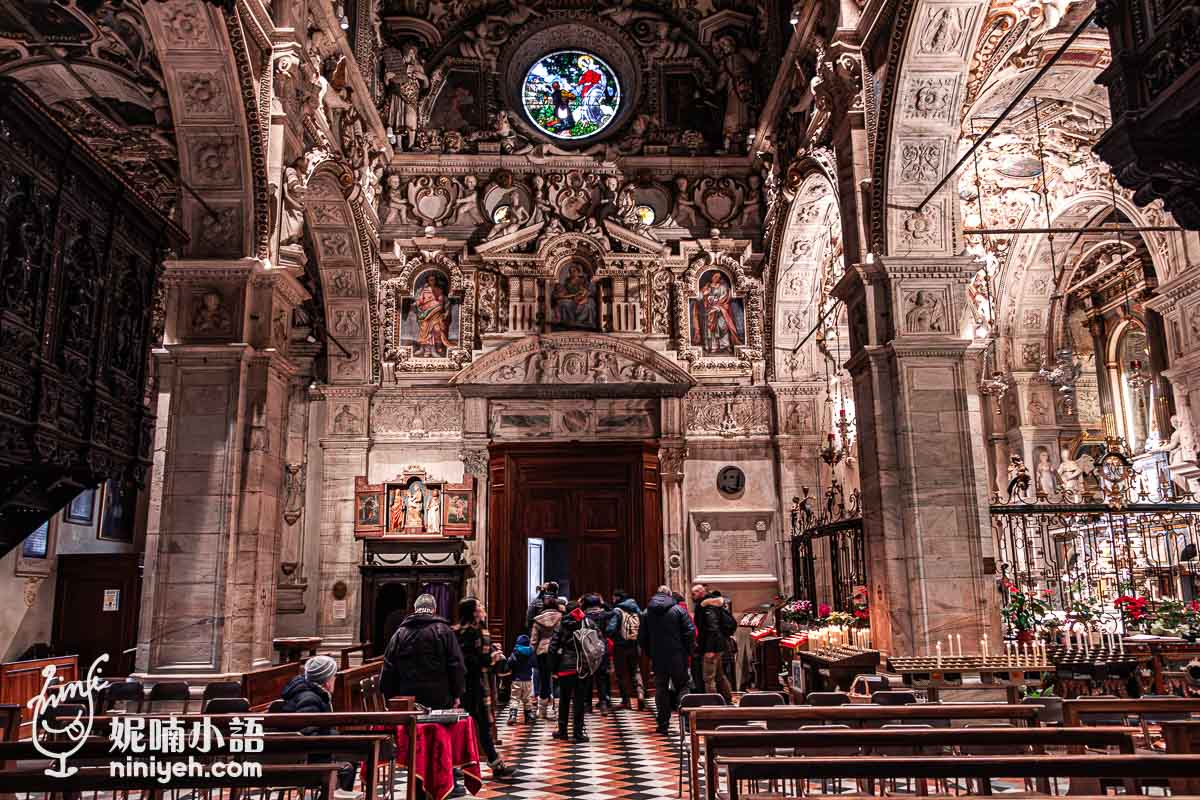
262	686
21	680
709	717
346	652
288	748
319	778
1072	709
1115	767
10	722
1182	737
928	741
346	693
352	722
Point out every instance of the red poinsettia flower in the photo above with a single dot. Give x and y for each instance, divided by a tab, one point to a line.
823	610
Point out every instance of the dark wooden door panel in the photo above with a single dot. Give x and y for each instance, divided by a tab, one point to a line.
81	625
595	568
602	513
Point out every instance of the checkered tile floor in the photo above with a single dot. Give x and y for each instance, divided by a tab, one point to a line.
625	760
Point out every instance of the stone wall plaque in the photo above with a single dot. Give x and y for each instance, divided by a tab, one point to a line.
734	546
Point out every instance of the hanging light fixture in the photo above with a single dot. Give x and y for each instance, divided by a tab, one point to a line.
343	20
997	383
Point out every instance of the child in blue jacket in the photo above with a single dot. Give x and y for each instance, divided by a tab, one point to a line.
520	663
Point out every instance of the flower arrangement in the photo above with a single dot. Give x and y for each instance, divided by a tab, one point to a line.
861	605
1176	618
1025	609
842	619
797	611
1134	610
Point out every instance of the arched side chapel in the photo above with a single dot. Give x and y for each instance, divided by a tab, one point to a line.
437	327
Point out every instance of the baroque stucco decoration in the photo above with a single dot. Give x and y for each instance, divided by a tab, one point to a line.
573	364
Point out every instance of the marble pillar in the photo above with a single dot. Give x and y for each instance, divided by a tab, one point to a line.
213	524
922	458
345	444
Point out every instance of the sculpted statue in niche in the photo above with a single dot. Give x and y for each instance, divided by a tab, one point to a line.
291	213
718	318
404	96
1181	446
210	316
573	304
430	318
684	213
925	315
395	206
433	512
1044	473
737	82
1039	412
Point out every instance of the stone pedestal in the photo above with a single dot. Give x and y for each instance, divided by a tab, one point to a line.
923	463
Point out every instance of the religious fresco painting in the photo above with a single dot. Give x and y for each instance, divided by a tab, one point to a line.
573	300
718	319
460	104
116	513
430	318
571	94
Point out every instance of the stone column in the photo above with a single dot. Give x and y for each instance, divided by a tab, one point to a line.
344	445
212	527
797	444
672	456
923	462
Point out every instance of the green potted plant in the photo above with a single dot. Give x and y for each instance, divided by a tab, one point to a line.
1024	610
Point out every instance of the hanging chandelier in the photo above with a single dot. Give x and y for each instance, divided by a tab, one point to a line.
1063	374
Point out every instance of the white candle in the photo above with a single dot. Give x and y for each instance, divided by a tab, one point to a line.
984	646
1121	645
958	642
939	655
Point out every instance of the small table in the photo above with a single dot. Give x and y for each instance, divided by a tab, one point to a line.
441	749
291	648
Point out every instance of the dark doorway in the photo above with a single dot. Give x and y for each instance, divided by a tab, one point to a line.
392	605
595	510
96	605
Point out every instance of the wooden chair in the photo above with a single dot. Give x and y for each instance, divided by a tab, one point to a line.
1052	708
689	701
227	705
828	699
893	697
169	692
372	698
131	693
221	689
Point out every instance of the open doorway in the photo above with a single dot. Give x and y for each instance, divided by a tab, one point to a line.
549	560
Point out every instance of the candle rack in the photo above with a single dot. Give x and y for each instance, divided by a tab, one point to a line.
1009	671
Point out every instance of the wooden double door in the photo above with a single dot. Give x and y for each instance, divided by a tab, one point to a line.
602	502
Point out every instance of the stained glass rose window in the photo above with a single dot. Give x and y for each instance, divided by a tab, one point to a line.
571	94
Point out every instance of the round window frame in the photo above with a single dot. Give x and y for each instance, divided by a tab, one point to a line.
591	137
596	37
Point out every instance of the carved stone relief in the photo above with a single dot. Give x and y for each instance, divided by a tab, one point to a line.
728	412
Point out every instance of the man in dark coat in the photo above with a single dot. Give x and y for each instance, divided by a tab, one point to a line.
424	659
667	635
310	693
714	624
574	688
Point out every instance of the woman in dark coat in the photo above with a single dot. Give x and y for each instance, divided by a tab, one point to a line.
477	651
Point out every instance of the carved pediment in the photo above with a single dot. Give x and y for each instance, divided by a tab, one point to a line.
576	365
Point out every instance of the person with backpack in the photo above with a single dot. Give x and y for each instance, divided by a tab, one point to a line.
577	649
624	624
545	625
715	626
597	614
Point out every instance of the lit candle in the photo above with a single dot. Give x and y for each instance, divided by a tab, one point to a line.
939	655
958	642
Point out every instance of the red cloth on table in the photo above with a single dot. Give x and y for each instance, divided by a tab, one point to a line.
440	749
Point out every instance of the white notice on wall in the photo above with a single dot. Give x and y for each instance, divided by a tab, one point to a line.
112	600
339	609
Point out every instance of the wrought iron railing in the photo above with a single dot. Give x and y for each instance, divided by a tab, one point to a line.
828	548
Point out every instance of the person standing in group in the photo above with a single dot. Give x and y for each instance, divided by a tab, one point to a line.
478	655
667	635
575	661
698	592
597	614
520	666
623	626
545	625
423	659
715	624
544	596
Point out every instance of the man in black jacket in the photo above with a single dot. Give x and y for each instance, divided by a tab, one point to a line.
424	659
309	693
714	625
668	635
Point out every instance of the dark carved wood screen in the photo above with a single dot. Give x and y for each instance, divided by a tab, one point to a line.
80	257
603	499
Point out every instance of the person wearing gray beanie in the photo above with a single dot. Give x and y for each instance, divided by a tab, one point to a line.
310	692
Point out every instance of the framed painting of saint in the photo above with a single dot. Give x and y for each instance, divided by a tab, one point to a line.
430	319
368	512
116	512
459	510
573	299
718	319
